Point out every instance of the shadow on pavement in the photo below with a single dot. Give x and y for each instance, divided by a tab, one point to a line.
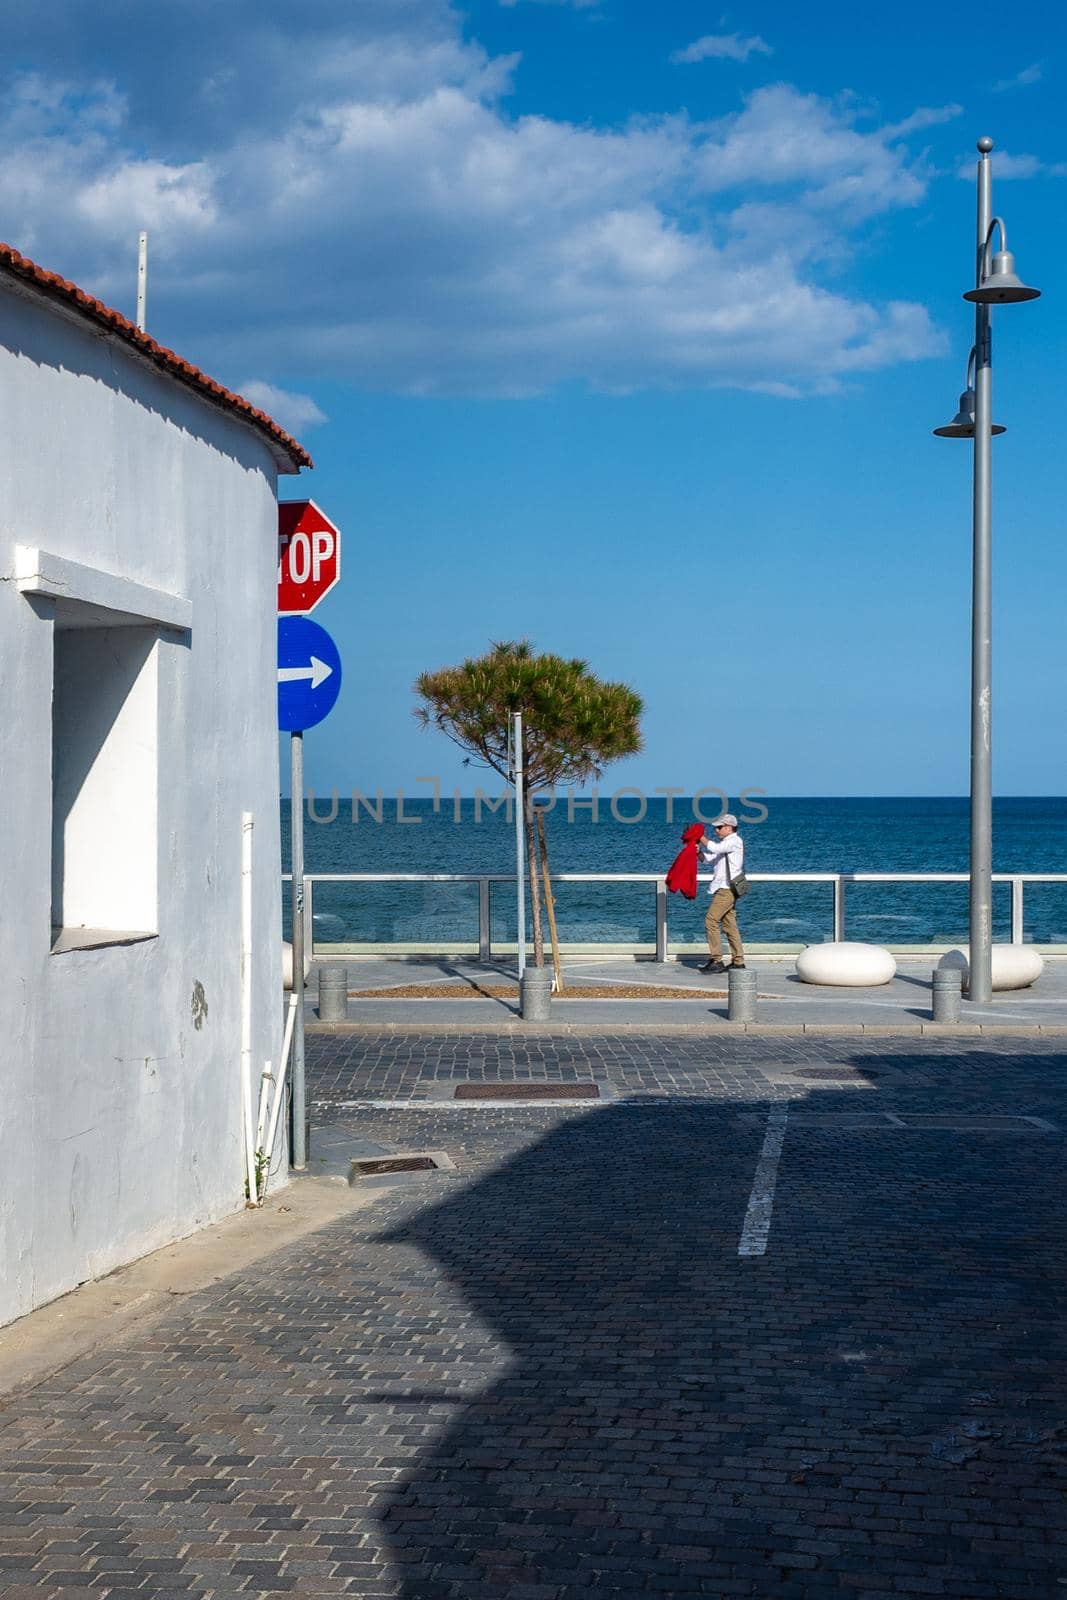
865	1409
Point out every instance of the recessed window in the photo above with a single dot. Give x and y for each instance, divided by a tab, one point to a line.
104	781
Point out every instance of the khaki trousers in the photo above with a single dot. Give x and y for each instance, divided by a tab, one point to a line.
722	916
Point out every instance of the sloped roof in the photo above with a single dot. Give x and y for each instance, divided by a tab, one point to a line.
290	455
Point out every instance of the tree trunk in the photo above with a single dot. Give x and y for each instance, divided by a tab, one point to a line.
535	891
550	904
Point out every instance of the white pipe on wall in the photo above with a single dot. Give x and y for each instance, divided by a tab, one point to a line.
266	1079
279	1093
287	1037
247	824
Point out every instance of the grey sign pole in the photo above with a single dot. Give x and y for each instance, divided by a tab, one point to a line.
981	888
520	842
299	1153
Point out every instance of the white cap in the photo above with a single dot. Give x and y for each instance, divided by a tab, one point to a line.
727	821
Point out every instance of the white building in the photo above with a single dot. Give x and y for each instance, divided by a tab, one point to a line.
138	558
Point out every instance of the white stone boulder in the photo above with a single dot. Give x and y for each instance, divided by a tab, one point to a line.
846	965
287	965
1015	966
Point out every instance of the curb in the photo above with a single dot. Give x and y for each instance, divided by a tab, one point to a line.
722	1029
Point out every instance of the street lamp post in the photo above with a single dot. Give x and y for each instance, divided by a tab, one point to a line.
995	284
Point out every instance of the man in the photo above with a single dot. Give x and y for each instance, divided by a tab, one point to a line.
727	854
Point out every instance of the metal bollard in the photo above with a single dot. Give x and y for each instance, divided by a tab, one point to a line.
742	987
947	994
535	993
333	992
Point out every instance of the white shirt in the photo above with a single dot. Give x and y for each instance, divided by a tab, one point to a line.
721	851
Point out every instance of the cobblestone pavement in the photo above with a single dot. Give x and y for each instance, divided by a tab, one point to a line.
344	1068
550	1375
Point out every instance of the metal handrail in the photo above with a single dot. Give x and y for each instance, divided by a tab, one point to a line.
656	877
1018	880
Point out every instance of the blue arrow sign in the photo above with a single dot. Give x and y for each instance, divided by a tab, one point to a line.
309	674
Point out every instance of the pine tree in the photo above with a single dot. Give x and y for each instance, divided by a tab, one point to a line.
574	724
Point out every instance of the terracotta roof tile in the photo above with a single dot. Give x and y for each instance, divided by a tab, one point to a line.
51	283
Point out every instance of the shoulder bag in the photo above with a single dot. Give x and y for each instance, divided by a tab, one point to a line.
738	885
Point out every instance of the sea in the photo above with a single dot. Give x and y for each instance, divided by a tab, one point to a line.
637	835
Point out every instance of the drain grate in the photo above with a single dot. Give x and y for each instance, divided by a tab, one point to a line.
841	1074
527	1091
371	1169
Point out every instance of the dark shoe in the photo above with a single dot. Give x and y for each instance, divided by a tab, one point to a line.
712	966
737	966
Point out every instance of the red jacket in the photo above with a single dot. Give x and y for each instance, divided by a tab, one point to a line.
682	878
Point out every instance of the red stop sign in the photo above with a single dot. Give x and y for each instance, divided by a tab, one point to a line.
309	556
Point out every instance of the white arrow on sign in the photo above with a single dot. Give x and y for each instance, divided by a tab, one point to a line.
317	671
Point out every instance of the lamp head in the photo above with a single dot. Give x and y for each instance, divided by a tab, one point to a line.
962	424
1001	286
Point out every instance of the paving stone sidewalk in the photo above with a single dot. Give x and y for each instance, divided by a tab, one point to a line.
353	1067
550	1375
785	1003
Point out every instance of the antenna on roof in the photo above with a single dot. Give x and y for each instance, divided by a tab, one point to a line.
142	278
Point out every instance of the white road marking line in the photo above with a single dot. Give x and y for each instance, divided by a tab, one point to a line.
757	1225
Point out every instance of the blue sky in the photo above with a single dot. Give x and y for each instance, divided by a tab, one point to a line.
619	326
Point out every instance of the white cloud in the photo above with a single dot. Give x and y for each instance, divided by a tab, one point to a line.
1006	165
923	117
723	47
786	142
1021	80
369	211
153	192
297	412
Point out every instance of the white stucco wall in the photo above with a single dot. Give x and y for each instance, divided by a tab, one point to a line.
120	1121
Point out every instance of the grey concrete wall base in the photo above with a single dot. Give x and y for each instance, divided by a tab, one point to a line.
678	951
535	991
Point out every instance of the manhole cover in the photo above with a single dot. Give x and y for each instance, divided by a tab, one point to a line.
527	1091
842	1074
370	1169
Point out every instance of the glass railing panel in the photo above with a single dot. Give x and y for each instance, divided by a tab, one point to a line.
601	913
1044	913
792	914
502	918
919	913
347	917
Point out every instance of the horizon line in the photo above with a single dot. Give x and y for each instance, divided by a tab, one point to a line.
662	799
